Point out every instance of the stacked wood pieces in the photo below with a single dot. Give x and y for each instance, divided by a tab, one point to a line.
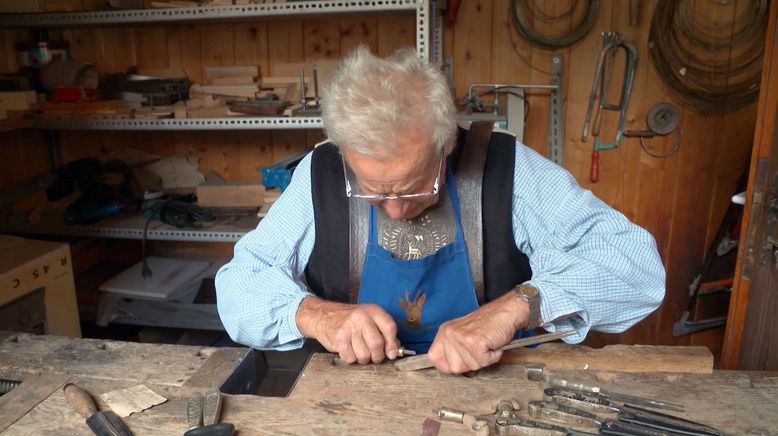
193	3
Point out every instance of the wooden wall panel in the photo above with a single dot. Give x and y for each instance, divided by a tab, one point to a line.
356	31
680	200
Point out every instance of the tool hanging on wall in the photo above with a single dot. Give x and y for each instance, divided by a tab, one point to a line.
526	12
512	114
710	69
612	43
662	120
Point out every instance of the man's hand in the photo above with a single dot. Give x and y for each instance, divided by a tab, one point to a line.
467	343
361	333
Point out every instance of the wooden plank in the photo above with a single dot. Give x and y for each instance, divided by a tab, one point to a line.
321	39
765	124
118	49
215	371
151	47
218	47
33	390
363	399
356	31
473	47
395	32
623	358
285	43
185	47
251	42
149	363
255	153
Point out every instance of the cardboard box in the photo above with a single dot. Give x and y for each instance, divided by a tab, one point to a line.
29	266
15	101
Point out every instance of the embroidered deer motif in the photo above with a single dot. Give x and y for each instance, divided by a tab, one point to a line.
412	309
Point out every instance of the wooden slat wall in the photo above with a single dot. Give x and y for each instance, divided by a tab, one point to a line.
680	199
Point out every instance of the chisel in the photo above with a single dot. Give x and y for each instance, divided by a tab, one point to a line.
101	423
422	362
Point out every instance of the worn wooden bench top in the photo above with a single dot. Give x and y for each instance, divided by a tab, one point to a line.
377	399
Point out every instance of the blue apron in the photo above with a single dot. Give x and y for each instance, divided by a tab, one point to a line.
420	294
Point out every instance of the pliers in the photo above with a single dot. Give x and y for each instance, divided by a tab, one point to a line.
577	407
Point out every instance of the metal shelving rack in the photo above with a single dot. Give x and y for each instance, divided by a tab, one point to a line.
215	13
131	226
230	123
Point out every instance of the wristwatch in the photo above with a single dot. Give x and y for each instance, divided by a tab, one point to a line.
530	294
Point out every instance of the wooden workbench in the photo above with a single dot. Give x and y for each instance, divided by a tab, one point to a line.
374	399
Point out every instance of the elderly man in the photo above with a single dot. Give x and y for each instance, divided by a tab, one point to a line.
369	248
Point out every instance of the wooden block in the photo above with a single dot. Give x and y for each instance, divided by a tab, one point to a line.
273	81
224	193
625	358
171	73
208	112
249	91
292	110
261	107
93	106
15	101
235	71
232	81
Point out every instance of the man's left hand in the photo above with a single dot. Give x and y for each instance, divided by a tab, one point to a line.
469	343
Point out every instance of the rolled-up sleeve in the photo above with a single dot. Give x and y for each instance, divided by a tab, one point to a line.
593	268
260	289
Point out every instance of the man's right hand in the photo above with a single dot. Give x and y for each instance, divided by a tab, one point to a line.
361	333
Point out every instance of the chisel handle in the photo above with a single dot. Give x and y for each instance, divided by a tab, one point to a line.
79	400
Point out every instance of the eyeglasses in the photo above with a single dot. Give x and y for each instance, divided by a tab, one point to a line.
379	197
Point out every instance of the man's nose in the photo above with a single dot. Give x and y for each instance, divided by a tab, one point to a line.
395	208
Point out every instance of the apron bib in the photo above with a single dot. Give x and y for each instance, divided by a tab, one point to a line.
420	294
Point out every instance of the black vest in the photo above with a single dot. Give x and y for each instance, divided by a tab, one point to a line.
504	265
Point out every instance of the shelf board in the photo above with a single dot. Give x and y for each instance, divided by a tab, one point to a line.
168	15
10	125
228	123
130	226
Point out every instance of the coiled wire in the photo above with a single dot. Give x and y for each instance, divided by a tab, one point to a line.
709	72
525	12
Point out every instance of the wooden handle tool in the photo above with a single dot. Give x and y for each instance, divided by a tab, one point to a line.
422	362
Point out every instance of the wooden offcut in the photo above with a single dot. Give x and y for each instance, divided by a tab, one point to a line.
230	194
625	358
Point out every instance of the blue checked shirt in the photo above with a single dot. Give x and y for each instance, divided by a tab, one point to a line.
594	269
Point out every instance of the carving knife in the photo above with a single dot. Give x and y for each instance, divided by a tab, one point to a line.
421	361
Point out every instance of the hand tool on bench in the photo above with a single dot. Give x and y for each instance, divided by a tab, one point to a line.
582	405
537	373
422	361
505	420
582	419
101	423
202	414
401	352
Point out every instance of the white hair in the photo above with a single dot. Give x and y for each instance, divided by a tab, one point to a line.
371	101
